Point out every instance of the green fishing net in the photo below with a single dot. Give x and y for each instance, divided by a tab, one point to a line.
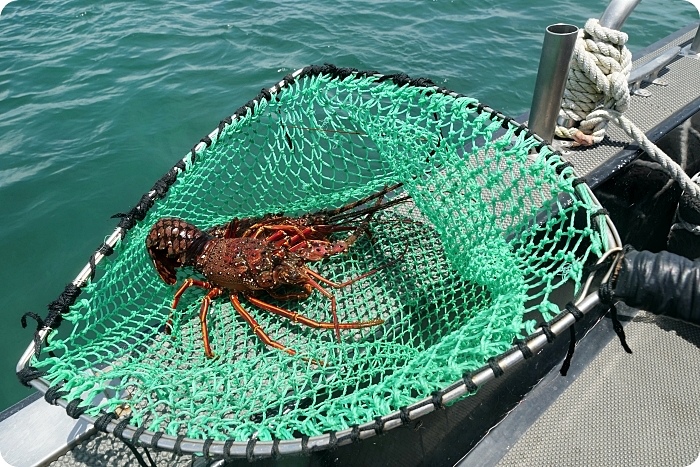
495	225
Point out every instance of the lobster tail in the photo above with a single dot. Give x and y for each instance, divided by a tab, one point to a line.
170	243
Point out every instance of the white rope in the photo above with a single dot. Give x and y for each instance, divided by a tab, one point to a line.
600	67
596	118
597	93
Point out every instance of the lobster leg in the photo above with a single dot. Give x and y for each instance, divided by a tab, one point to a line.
285	235
340	285
176	299
279	231
305	320
302	295
331	297
186	284
296	318
257	330
311	232
206	302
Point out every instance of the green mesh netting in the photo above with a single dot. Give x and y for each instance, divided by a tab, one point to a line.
494	227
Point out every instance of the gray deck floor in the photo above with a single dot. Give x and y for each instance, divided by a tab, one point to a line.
627	410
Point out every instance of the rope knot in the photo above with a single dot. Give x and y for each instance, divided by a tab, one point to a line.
600	67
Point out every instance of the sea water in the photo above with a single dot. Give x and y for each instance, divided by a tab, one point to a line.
100	99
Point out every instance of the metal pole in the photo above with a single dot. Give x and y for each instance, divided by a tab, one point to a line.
695	46
557	49
617	12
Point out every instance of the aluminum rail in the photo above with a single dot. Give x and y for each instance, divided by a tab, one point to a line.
617	13
695	46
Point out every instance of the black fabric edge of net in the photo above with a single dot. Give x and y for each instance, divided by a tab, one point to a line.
109	423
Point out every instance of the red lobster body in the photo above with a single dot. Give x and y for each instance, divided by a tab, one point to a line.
250	255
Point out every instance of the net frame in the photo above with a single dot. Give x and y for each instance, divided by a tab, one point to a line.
254	448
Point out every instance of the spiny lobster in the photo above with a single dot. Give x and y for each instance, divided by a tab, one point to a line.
268	253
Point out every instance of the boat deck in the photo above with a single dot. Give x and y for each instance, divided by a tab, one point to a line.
612	408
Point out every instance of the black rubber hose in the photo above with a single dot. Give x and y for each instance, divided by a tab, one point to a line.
662	283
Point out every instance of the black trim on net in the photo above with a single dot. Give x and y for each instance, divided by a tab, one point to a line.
177	449
600	212
607	296
136	439
404	415
332	441
578	316
379	428
521	344
160	189
53	318
388	418
355	433
227	450
436	399
577	181
250	449
563	166
547	332
506	123
469	383
596	267
54	393
275	453
74	410
495	367
103	421
223	124
155	438
575	311
105	249
207	141
205	449
521	127
121	426
131	444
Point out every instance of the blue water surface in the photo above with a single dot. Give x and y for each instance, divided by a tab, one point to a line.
99	99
